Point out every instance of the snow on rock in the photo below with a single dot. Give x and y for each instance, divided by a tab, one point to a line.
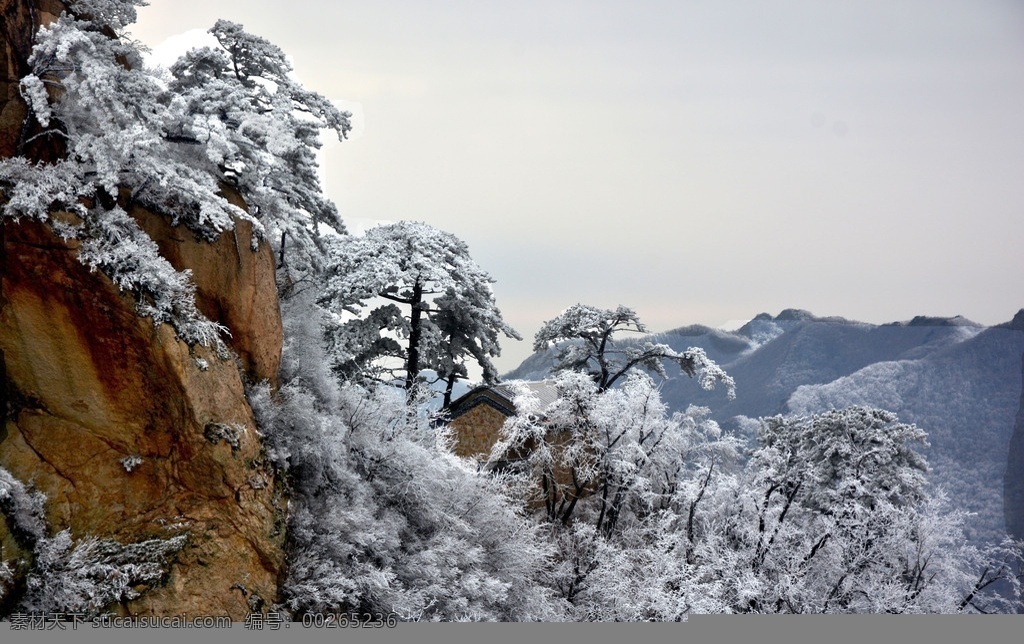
88	381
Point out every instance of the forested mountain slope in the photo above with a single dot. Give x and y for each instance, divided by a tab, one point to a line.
958	380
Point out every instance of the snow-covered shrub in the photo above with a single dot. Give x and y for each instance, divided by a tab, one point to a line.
130	462
22	512
64	576
22	509
90	575
383	516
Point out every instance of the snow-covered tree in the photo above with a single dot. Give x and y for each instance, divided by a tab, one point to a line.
834	515
583	337
620	481
656	516
595	440
261	129
436	307
611	461
121	135
383	516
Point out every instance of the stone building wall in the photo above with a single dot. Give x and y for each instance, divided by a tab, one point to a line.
477	431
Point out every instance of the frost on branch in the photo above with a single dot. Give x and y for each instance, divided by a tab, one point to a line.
115	14
261	129
131	137
90	575
22	512
435	308
22	509
131	259
584	340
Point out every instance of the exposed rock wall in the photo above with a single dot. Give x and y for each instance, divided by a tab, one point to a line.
129	432
234	286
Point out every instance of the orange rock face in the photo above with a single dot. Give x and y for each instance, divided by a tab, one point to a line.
234	286
129	432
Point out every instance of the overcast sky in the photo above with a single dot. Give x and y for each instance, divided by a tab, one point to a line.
698	161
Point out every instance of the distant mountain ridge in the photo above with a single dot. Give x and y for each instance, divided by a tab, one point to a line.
957	379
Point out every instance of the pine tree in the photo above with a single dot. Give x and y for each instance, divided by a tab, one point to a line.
436	311
583	337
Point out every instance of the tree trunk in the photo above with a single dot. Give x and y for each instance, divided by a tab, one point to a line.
412	365
448	391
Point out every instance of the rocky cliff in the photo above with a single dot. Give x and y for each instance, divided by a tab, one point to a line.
129	432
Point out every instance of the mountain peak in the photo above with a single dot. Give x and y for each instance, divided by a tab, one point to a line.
928	320
1016	324
795	314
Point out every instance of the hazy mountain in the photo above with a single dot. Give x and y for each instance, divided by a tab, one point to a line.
965	395
957	379
796	348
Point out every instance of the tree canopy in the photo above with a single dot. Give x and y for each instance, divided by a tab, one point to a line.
173	143
658	515
262	129
417	298
583	338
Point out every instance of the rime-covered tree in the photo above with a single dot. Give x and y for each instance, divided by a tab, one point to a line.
608	451
657	516
606	456
436	307
583	338
123	135
626	488
835	515
262	129
383	517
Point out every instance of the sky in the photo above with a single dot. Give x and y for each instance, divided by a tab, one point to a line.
697	161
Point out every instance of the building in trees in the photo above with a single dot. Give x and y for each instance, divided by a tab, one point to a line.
478	416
